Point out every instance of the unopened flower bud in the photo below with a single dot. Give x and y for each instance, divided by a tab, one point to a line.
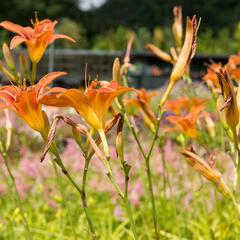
116	71
8	58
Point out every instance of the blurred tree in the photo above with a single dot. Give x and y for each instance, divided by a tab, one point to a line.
120	38
102	42
22	11
158	37
76	31
133	14
143	36
237	38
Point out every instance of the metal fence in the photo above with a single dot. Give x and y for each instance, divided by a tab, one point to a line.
148	71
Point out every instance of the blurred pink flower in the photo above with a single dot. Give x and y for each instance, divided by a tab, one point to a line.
52	204
118	213
136	192
3	189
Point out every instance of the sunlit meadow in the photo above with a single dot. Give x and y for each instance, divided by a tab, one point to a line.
113	162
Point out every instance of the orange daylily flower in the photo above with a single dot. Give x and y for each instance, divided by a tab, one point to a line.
211	74
37	38
93	104
185	103
187	123
176	105
235	73
25	101
142	103
234	60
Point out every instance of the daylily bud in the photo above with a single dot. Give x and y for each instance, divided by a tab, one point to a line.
126	59
177	25
119	145
185	56
116	71
204	169
210	126
8	58
159	53
24	66
9	129
230	102
7	73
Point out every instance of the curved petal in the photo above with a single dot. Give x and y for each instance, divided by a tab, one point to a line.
56	36
12	27
16	41
46	80
5	106
54	101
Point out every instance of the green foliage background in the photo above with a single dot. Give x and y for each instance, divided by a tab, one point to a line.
105	27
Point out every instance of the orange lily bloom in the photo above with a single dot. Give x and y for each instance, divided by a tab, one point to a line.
234	60
25	101
142	103
176	105
187	123
37	38
211	74
93	104
235	73
186	103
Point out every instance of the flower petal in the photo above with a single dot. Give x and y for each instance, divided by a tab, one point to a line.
16	41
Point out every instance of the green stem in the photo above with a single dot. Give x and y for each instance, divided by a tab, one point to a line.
82	194
129	213
165	171
85	171
111	178
34	70
147	162
59	182
232	197
152	198
18	200
126	169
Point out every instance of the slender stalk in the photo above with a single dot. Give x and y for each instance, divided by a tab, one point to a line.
232	197
129	213
111	178
126	169
59	182
18	200
34	71
85	171
82	194
147	161
152	198
165	170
